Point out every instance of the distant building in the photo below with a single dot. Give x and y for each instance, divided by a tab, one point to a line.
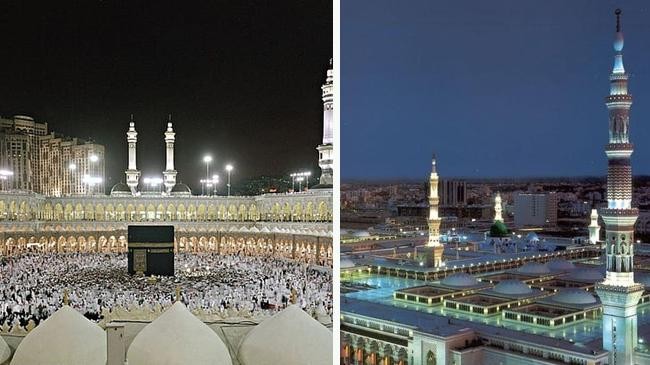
69	166
535	210
15	156
452	193
20	139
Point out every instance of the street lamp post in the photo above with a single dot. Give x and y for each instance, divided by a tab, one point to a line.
307	175
215	181
300	177
207	159
229	168
299	180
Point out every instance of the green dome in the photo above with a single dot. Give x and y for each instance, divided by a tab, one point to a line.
498	229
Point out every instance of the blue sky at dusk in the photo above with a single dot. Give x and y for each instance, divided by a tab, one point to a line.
495	88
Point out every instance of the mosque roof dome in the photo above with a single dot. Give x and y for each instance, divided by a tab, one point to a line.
178	337
347	263
180	189
290	337
560	265
459	279
586	274
533	268
532	236
512	287
361	234
498	229
574	296
66	337
5	351
120	188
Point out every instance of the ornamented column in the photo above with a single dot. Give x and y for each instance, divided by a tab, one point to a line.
619	293
594	228
132	173
169	175
325	150
498	208
434	219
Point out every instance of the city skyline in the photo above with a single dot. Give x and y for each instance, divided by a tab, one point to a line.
250	95
519	94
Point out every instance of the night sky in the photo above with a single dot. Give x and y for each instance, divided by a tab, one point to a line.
241	79
496	88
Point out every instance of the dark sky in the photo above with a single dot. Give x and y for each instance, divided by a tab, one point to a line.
241	78
496	88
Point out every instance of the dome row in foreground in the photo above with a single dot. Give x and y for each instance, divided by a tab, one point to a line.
290	337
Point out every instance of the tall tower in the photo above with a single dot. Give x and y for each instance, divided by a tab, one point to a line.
498	208
594	228
169	174
619	293
434	219
132	174
325	150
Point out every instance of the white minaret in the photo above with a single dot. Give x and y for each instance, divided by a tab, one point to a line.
594	228
619	294
434	218
498	208
169	174
132	174
325	150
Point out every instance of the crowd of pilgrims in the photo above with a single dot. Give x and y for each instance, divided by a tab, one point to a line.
34	286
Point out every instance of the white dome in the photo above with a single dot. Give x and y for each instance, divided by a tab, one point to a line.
532	237
290	337
361	234
533	268
512	287
347	263
586	274
459	279
574	296
561	265
67	338
178	337
5	351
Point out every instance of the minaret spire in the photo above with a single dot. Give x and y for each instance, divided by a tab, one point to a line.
169	174
619	293
434	218
132	173
325	150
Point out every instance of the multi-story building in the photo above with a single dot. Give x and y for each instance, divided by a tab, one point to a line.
69	166
535	210
15	156
452	193
21	135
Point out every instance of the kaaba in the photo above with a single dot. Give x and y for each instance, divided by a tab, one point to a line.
151	250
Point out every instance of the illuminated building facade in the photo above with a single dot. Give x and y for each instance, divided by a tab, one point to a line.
69	166
19	151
